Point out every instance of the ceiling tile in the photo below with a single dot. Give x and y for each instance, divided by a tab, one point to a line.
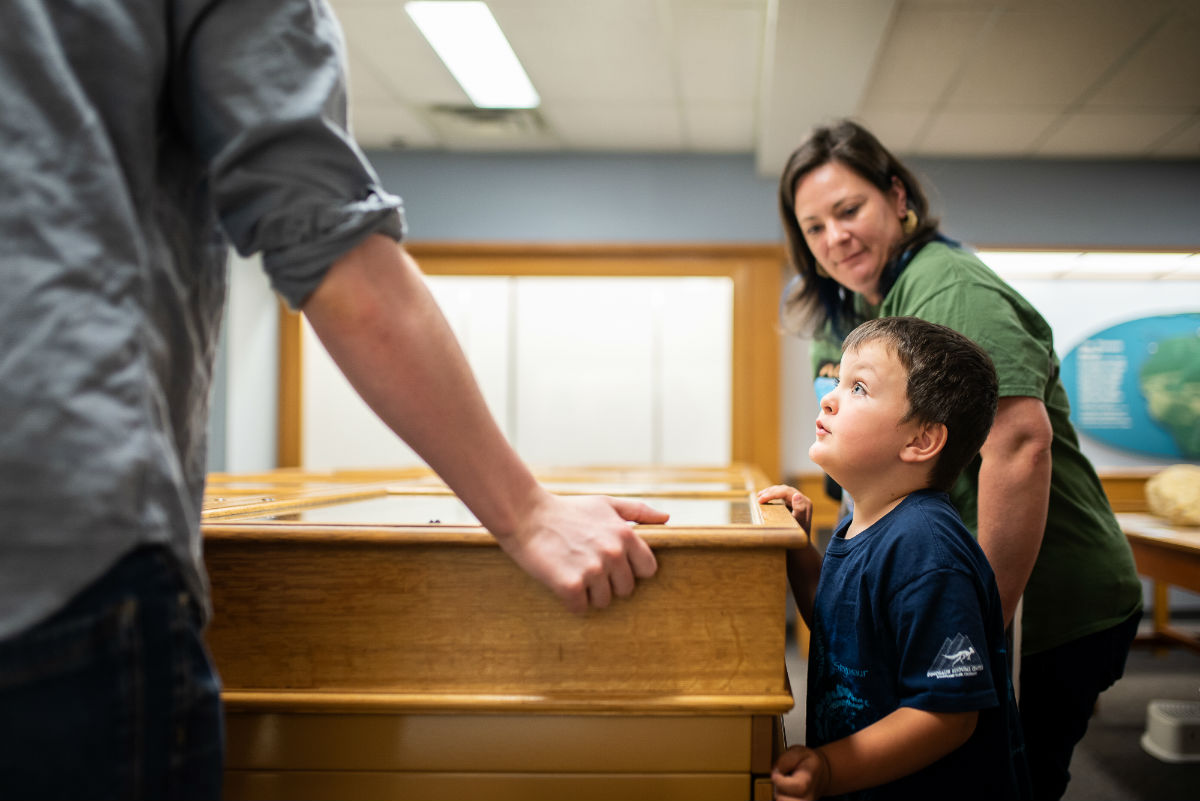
820	57
923	53
1092	78
383	41
616	126
1047	55
719	127
390	125
366	84
1184	143
1101	134
577	50
717	50
983	133
1163	74
897	130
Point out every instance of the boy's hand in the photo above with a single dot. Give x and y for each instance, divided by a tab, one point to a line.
799	503
800	774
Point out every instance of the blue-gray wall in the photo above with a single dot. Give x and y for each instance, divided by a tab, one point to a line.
574	198
678	198
1085	204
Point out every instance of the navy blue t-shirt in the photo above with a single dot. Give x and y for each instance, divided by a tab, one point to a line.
907	614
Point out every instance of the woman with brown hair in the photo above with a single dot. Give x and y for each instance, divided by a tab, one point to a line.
864	245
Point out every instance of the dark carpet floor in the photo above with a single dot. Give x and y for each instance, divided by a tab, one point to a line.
1110	762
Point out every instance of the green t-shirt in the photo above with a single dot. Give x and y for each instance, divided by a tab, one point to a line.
1084	579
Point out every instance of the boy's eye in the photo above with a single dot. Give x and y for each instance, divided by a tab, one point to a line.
858	389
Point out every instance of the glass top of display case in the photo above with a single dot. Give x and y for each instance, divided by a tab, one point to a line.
415	504
411	509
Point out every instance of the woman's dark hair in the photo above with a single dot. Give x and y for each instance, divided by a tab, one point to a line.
815	299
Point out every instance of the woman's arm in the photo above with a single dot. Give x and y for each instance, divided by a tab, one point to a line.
1014	494
895	746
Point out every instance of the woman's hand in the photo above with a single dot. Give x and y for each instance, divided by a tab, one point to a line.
795	500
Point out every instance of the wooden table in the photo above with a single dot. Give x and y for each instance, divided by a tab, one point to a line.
1169	556
374	642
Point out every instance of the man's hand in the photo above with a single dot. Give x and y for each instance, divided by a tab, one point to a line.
583	549
800	774
379	322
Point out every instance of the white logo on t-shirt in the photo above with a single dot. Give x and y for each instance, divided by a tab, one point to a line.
957	658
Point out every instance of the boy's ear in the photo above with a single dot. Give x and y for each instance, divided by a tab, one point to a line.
926	443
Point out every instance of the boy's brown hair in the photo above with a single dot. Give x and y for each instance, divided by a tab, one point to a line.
951	381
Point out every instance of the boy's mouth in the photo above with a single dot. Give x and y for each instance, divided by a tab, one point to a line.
821	429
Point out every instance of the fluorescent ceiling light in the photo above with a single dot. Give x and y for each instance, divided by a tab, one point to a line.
1093	265
469	42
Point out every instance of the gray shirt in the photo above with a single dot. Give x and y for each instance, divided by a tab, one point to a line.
137	139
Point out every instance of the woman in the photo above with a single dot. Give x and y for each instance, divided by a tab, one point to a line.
862	240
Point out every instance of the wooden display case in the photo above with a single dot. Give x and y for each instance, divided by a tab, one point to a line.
374	642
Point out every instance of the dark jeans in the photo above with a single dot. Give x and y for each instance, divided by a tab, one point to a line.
1059	689
114	696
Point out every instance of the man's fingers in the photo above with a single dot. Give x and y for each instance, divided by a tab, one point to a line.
599	592
638	512
621	579
642	560
575	599
587	554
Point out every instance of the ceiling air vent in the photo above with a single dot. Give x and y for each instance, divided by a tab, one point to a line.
471	122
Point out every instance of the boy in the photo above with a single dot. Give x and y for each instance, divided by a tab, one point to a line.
908	686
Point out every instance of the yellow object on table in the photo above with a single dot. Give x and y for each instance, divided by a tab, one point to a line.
1174	494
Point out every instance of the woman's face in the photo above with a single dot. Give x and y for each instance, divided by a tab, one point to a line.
850	225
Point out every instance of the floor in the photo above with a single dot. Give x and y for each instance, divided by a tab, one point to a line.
1109	763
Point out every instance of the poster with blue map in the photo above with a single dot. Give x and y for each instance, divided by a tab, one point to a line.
1136	385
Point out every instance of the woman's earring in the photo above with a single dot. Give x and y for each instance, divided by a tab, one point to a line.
909	223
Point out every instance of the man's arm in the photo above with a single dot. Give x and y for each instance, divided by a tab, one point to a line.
894	746
1014	494
379	322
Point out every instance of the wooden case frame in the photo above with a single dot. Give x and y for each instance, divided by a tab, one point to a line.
347	648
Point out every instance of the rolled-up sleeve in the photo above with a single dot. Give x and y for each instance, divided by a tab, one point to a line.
260	88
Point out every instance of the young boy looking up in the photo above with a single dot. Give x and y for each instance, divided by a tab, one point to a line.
908	686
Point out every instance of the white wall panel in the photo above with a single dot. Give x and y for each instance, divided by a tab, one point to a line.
339	430
577	371
252	342
695	317
584	370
